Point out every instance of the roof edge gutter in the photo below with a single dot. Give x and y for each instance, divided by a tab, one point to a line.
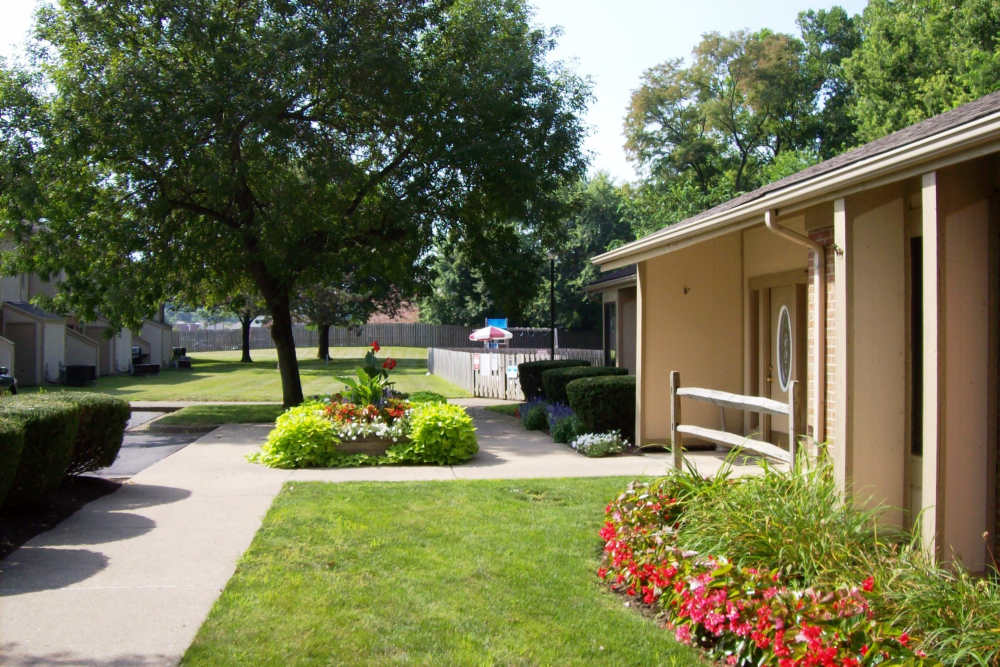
943	147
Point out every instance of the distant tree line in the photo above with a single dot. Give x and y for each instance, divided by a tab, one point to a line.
745	109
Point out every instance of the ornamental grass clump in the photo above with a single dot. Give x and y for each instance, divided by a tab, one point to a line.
797	522
957	615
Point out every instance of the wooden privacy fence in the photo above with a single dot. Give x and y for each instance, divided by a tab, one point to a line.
493	373
724	400
401	334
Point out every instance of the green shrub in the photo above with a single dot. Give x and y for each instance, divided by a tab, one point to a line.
566	429
103	419
50	427
530	374
301	438
426	397
11	444
555	380
605	403
535	415
440	434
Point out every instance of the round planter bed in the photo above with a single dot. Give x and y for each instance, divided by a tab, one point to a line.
371	446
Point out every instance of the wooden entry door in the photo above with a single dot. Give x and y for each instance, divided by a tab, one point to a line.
781	354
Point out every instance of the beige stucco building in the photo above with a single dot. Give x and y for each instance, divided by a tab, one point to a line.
617	292
877	272
37	346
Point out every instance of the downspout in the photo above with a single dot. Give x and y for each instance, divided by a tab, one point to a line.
819	315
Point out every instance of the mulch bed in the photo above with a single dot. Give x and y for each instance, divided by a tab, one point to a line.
18	525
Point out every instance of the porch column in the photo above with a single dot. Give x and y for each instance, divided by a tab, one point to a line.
640	347
932	405
841	440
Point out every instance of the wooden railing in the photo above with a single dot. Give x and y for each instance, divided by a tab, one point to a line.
724	400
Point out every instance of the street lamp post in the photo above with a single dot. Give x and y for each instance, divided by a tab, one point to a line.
552	305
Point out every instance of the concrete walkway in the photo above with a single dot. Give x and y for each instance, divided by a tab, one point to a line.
129	578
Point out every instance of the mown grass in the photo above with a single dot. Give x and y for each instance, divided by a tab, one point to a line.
509	410
214	415
442	573
219	376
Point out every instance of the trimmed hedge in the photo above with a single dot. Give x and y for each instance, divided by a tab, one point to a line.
530	374
50	427
103	419
11	444
555	380
605	403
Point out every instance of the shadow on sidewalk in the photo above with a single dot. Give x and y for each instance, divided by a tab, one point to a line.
11	651
32	569
45	565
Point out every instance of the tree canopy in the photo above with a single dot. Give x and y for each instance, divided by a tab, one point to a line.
919	58
282	142
507	274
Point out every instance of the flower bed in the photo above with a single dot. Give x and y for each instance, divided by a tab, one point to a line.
370	425
739	614
567	428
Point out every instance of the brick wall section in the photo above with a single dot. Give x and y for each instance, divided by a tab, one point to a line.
824	237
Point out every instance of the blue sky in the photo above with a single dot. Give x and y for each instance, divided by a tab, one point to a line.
611	41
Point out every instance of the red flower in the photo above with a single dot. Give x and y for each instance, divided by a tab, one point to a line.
602	572
904	639
375	347
389	364
868	584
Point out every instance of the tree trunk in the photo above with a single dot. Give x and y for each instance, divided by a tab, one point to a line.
324	341
278	300
246	322
288	365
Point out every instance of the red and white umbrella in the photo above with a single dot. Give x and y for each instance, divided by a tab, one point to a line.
490	333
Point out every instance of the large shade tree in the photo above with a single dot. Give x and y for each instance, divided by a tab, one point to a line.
280	142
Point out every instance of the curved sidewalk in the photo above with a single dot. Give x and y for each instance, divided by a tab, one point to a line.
129	578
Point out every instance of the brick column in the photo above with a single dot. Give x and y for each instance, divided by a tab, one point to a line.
824	237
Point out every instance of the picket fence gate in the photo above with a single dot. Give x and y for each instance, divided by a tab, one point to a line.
493	373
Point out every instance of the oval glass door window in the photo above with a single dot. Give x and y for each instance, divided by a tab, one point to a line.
784	348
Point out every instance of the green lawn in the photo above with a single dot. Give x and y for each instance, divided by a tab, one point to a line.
434	573
219	376
509	410
214	415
